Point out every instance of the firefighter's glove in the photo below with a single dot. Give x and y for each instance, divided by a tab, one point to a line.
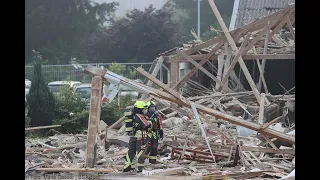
161	134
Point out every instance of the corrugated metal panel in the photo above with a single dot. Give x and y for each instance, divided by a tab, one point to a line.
250	10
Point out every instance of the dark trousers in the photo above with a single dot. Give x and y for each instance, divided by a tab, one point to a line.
131	152
143	148
154	150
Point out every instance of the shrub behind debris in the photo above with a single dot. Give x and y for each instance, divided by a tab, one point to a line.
40	100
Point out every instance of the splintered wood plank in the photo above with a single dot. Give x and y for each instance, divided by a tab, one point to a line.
159	83
220	68
217	129
246	57
248	157
94	117
270	142
283	21
186	77
290	27
276	165
255	157
224	116
117	122
261	111
203	70
265	48
271	122
261	71
234	48
154	73
42	127
235	60
261	155
230	154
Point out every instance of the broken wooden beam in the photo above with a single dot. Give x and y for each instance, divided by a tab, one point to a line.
94	117
290	27
246	57
235	60
217	114
261	72
261	110
268	150
204	59
234	48
117	122
179	52
42	127
154	73
219	95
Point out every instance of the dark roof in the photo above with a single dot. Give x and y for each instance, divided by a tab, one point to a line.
249	10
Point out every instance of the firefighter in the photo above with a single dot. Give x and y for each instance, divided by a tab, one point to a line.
143	135
135	122
156	129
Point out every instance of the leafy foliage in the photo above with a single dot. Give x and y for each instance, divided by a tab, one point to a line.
40	99
72	112
60	29
139	37
187	14
121	69
68	102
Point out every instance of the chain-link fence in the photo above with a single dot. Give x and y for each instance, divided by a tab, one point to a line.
68	72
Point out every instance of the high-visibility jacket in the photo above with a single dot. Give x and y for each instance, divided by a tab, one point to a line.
128	120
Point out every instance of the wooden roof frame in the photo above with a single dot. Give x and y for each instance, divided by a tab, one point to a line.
260	30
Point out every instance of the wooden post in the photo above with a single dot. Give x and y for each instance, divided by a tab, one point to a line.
265	48
261	72
227	61
94	117
174	72
220	68
261	110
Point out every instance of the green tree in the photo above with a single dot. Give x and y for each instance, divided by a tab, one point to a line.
140	36
123	70
61	29
41	102
187	14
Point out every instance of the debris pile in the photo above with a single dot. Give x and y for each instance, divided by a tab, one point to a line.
217	132
238	152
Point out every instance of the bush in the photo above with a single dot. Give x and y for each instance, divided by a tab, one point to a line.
73	114
68	102
40	100
110	113
71	111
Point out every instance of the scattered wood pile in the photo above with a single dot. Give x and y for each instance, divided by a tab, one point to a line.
210	133
238	152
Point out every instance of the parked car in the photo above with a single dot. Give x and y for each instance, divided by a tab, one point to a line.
84	90
27	84
56	85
